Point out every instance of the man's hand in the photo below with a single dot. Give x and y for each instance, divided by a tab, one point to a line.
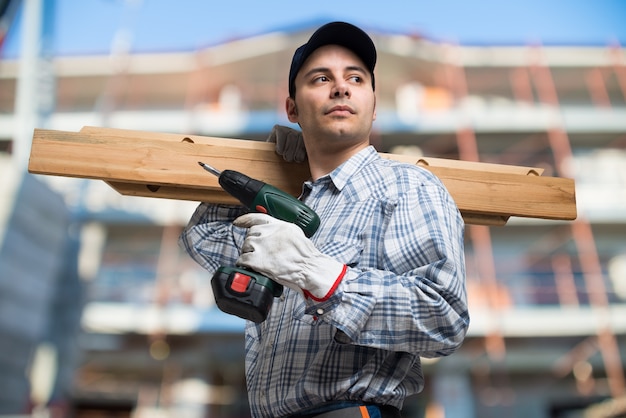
281	251
289	143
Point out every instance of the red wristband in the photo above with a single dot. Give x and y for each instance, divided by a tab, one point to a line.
332	289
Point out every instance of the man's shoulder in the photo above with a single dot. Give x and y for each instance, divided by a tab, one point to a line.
411	173
388	180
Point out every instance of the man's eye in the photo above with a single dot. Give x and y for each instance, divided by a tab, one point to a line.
320	79
356	78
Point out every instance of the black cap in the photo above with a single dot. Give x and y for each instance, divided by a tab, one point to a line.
334	33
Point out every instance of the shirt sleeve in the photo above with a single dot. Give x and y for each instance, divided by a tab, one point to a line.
210	238
414	299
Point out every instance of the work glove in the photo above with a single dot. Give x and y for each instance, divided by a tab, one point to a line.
281	251
289	143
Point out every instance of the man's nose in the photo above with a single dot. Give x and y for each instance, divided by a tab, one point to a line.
341	89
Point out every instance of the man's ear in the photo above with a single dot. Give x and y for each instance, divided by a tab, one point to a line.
292	110
374	115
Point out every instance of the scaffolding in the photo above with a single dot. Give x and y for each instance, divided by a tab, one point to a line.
533	84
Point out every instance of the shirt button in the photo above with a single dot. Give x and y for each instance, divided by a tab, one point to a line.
320	311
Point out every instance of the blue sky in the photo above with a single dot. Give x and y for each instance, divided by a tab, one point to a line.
89	26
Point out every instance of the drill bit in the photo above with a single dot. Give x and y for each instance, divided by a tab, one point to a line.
210	169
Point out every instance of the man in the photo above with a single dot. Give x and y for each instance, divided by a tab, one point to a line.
382	281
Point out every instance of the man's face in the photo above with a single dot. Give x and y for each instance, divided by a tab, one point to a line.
334	97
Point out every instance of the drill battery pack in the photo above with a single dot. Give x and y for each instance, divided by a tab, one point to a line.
244	293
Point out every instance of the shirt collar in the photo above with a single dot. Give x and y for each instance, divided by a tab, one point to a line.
342	174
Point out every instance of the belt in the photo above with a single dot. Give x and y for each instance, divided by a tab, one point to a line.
355	411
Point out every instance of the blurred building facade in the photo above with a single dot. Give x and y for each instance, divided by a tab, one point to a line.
547	299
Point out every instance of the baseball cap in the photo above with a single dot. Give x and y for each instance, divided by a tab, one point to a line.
334	33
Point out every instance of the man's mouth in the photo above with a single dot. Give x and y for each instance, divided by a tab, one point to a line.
340	109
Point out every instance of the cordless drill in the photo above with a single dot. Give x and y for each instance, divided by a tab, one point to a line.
242	292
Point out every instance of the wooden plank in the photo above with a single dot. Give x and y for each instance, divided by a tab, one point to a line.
465	165
138	163
172	192
421	161
207	195
157	162
505	193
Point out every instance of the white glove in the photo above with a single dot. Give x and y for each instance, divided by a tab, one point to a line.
289	143
281	251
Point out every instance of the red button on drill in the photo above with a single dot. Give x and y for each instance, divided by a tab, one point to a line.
240	282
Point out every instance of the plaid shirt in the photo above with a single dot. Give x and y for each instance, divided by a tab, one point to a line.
401	235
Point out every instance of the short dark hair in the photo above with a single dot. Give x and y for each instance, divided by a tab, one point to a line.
334	33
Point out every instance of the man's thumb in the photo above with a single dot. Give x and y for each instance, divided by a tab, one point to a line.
251	219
